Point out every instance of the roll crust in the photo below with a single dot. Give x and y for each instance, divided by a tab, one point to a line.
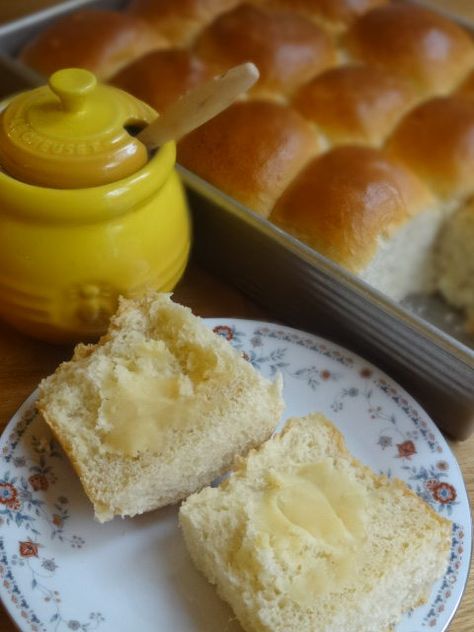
344	201
355	104
162	76
251	151
288	49
436	141
336	15
179	22
101	41
427	48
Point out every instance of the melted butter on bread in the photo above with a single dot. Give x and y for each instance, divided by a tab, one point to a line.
317	503
142	399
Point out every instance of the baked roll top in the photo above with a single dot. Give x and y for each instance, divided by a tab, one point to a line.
429	49
101	41
179	21
251	151
161	77
355	104
436	140
335	15
345	201
287	49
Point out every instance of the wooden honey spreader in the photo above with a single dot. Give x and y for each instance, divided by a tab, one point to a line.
198	106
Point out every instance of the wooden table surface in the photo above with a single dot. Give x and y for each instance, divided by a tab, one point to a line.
23	362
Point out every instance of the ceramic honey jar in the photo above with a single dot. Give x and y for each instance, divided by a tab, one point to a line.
86	215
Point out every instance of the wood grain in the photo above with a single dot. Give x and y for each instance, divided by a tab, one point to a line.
23	362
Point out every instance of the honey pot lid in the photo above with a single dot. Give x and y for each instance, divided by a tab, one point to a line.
72	133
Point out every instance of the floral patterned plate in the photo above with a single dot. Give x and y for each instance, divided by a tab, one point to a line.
60	570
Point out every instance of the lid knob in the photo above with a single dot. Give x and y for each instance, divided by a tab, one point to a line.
72	86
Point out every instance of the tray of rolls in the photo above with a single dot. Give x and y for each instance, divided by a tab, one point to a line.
338	192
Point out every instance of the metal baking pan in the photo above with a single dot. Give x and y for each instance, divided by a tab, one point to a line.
420	342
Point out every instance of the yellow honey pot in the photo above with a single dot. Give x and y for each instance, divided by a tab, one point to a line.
85	214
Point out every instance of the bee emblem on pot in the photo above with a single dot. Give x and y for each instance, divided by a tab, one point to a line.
93	304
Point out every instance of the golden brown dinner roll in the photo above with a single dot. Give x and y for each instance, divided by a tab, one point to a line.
436	140
332	14
361	209
415	42
287	49
162	76
101	41
355	104
179	20
251	151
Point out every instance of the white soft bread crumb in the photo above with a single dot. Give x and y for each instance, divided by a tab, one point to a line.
232	408
403	263
455	261
404	551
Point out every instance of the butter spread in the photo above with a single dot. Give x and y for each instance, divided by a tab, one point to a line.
315	520
142	398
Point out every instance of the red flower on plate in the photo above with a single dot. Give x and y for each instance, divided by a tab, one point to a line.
28	549
38	482
444	493
365	372
9	496
325	374
224	331
431	483
57	520
406	449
